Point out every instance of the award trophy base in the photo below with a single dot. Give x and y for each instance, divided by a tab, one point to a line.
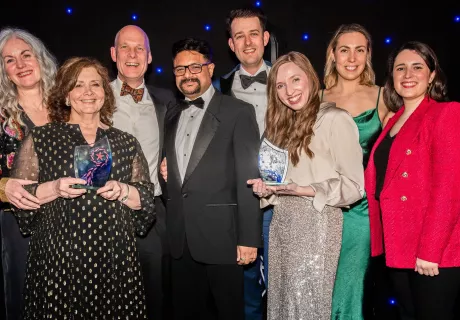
82	186
273	183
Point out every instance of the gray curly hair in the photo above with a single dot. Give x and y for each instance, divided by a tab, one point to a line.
9	109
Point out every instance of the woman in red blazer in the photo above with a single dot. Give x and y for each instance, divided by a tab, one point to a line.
413	186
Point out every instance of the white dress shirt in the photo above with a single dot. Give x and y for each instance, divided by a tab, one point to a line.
187	130
140	120
255	94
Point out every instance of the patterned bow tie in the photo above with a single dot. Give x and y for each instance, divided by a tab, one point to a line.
137	94
199	103
246	81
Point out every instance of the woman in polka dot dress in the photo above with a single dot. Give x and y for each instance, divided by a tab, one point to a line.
82	260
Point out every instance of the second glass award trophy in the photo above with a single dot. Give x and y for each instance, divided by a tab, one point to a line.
273	163
93	164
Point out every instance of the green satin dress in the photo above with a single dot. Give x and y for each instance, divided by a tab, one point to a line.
352	284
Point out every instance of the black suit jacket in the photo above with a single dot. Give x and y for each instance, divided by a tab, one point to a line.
214	207
162	99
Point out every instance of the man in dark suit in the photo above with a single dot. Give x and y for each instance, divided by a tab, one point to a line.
140	112
214	224
247	38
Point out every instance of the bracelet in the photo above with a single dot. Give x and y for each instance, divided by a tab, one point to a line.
125	198
3	197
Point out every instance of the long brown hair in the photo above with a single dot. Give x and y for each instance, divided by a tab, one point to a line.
286	128
331	75
66	79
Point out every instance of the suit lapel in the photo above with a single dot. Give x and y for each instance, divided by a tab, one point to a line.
160	110
226	84
405	141
171	121
208	128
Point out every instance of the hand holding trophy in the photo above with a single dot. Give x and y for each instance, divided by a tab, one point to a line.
273	164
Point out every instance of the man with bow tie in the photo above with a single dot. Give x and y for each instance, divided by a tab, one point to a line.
248	37
214	224
140	112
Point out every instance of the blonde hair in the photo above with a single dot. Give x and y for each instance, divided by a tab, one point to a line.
286	128
331	75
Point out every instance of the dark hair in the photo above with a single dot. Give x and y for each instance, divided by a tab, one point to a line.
192	44
66	79
246	12
437	90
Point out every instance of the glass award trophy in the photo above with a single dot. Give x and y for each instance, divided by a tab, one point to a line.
93	164
273	163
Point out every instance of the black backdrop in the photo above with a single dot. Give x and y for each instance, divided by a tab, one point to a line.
90	29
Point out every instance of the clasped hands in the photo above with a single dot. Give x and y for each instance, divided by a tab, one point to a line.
113	190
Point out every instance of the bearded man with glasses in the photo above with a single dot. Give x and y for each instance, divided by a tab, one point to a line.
213	221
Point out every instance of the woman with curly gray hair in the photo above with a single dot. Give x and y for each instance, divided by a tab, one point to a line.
27	71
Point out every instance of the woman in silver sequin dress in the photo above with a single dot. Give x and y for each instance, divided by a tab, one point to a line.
324	174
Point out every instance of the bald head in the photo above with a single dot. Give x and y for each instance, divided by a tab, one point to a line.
132	29
131	52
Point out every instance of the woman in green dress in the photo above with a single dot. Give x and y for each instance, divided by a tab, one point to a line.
350	83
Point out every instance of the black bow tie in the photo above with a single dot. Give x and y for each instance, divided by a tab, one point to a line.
199	103
246	81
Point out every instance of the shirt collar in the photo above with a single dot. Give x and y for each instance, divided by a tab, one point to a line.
207	96
263	67
119	84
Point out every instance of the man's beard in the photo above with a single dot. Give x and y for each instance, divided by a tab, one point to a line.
186	91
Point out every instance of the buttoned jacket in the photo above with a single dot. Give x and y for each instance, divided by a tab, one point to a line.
418	211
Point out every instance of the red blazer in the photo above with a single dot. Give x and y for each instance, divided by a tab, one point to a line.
418	215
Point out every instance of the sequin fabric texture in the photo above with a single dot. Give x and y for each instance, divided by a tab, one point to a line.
82	260
303	253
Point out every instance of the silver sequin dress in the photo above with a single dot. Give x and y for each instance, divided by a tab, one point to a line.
306	233
82	260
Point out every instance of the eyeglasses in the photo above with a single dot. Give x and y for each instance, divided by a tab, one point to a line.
193	68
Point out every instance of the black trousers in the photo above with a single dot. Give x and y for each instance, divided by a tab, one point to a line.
380	293
421	297
14	261
206	292
155	263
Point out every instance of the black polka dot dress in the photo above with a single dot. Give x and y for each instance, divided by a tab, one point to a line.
82	260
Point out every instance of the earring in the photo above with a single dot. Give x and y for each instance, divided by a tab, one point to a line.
67	102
